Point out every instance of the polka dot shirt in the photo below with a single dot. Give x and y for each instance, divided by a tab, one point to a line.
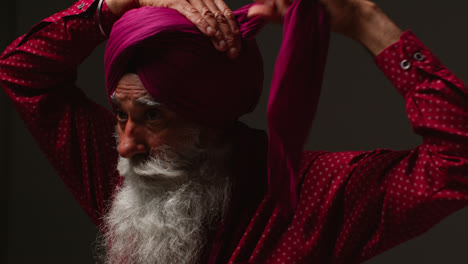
352	205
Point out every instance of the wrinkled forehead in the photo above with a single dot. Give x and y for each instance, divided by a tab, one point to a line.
130	88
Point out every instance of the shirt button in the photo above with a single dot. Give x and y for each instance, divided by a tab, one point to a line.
405	65
80	6
418	56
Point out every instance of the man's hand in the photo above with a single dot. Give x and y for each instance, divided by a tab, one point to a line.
360	20
341	12
363	21
212	17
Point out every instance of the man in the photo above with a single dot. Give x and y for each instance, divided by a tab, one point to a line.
135	104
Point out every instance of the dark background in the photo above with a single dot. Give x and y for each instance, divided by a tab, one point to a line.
359	110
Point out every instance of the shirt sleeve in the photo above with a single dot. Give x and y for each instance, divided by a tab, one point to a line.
354	205
38	73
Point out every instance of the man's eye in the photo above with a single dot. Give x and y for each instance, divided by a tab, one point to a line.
121	116
153	115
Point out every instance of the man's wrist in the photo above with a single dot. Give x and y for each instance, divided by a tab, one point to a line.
105	18
373	28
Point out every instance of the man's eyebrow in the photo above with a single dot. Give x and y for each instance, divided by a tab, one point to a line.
146	101
114	100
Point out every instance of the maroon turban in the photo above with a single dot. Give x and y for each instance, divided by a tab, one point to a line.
180	68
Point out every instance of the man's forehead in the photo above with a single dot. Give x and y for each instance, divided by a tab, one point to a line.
130	84
130	94
130	87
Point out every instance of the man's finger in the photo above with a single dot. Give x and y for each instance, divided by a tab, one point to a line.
261	10
232	33
267	12
282	6
222	23
192	14
208	14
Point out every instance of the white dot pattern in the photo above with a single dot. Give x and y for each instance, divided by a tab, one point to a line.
352	206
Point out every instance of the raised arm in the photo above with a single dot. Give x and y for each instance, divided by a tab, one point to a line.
38	72
382	198
354	205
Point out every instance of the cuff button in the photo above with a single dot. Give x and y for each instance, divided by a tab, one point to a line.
80	6
405	65
418	56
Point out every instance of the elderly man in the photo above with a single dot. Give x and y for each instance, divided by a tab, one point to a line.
181	193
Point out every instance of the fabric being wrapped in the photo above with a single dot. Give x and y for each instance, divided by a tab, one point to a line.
294	95
180	68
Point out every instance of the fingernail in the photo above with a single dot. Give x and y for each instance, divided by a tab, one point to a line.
222	44
210	30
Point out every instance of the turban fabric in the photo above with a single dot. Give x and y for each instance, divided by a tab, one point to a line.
180	68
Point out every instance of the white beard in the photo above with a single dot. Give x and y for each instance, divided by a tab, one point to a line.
166	207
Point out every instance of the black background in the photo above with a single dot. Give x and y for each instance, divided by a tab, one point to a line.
359	110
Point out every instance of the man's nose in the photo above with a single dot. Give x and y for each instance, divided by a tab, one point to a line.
132	140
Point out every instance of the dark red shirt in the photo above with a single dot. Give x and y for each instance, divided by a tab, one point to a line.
352	205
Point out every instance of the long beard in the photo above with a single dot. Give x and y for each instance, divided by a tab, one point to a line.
166	207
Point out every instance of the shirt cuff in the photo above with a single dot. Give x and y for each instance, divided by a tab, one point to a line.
406	62
107	18
88	9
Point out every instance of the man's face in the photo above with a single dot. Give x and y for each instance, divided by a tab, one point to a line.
169	201
143	124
